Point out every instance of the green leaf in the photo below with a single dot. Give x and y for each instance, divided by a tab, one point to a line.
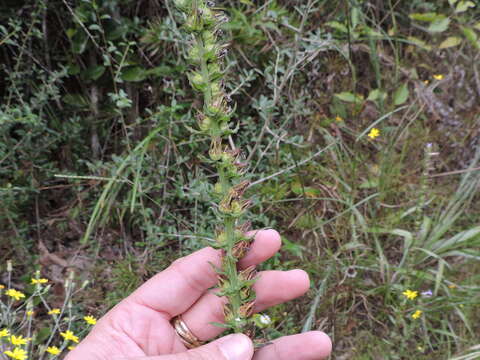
451	41
337	26
428	17
400	95
464	6
471	36
79	42
439	25
94	72
452	2
42	335
133	74
369	184
73	69
349	97
419	42
70	32
76	100
374	95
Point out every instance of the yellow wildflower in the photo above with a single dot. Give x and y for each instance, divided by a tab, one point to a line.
438	77
338	118
53	350
373	133
71	347
417	314
90	320
409	294
2	286
17	354
426	82
30	313
54	312
4	332
18	340
17	295
452	286
39	281
68	335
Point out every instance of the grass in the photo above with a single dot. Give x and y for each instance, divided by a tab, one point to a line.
97	162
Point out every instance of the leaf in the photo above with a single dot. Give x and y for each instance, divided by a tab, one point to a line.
452	2
337	26
70	32
451	41
349	97
94	72
439	25
374	95
471	36
400	95
79	42
419	42
369	184
428	17
42	335
76	100
133	74
464	6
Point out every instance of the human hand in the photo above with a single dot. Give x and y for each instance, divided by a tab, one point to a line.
140	326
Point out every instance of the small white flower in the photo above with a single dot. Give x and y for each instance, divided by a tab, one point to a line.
238	319
265	319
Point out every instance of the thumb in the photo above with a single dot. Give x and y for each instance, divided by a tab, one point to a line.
231	347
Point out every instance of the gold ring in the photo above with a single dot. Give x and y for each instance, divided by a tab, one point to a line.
182	330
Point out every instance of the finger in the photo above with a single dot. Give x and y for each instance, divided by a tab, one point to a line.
178	287
231	347
272	288
265	244
312	345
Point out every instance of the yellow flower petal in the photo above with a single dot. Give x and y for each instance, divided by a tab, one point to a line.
18	340
68	335
417	314
53	350
17	295
409	294
17	354
90	320
39	281
54	312
373	133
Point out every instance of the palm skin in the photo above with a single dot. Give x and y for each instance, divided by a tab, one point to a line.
140	325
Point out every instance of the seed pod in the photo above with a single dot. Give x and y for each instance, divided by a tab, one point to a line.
240	249
246	310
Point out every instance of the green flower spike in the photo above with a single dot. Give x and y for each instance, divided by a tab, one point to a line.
206	56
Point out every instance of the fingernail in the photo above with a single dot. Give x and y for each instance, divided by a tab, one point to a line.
236	347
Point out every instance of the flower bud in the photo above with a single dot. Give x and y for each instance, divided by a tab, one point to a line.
183	5
197	81
206	124
215	151
221	238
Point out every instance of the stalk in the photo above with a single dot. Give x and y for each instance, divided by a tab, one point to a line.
206	55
